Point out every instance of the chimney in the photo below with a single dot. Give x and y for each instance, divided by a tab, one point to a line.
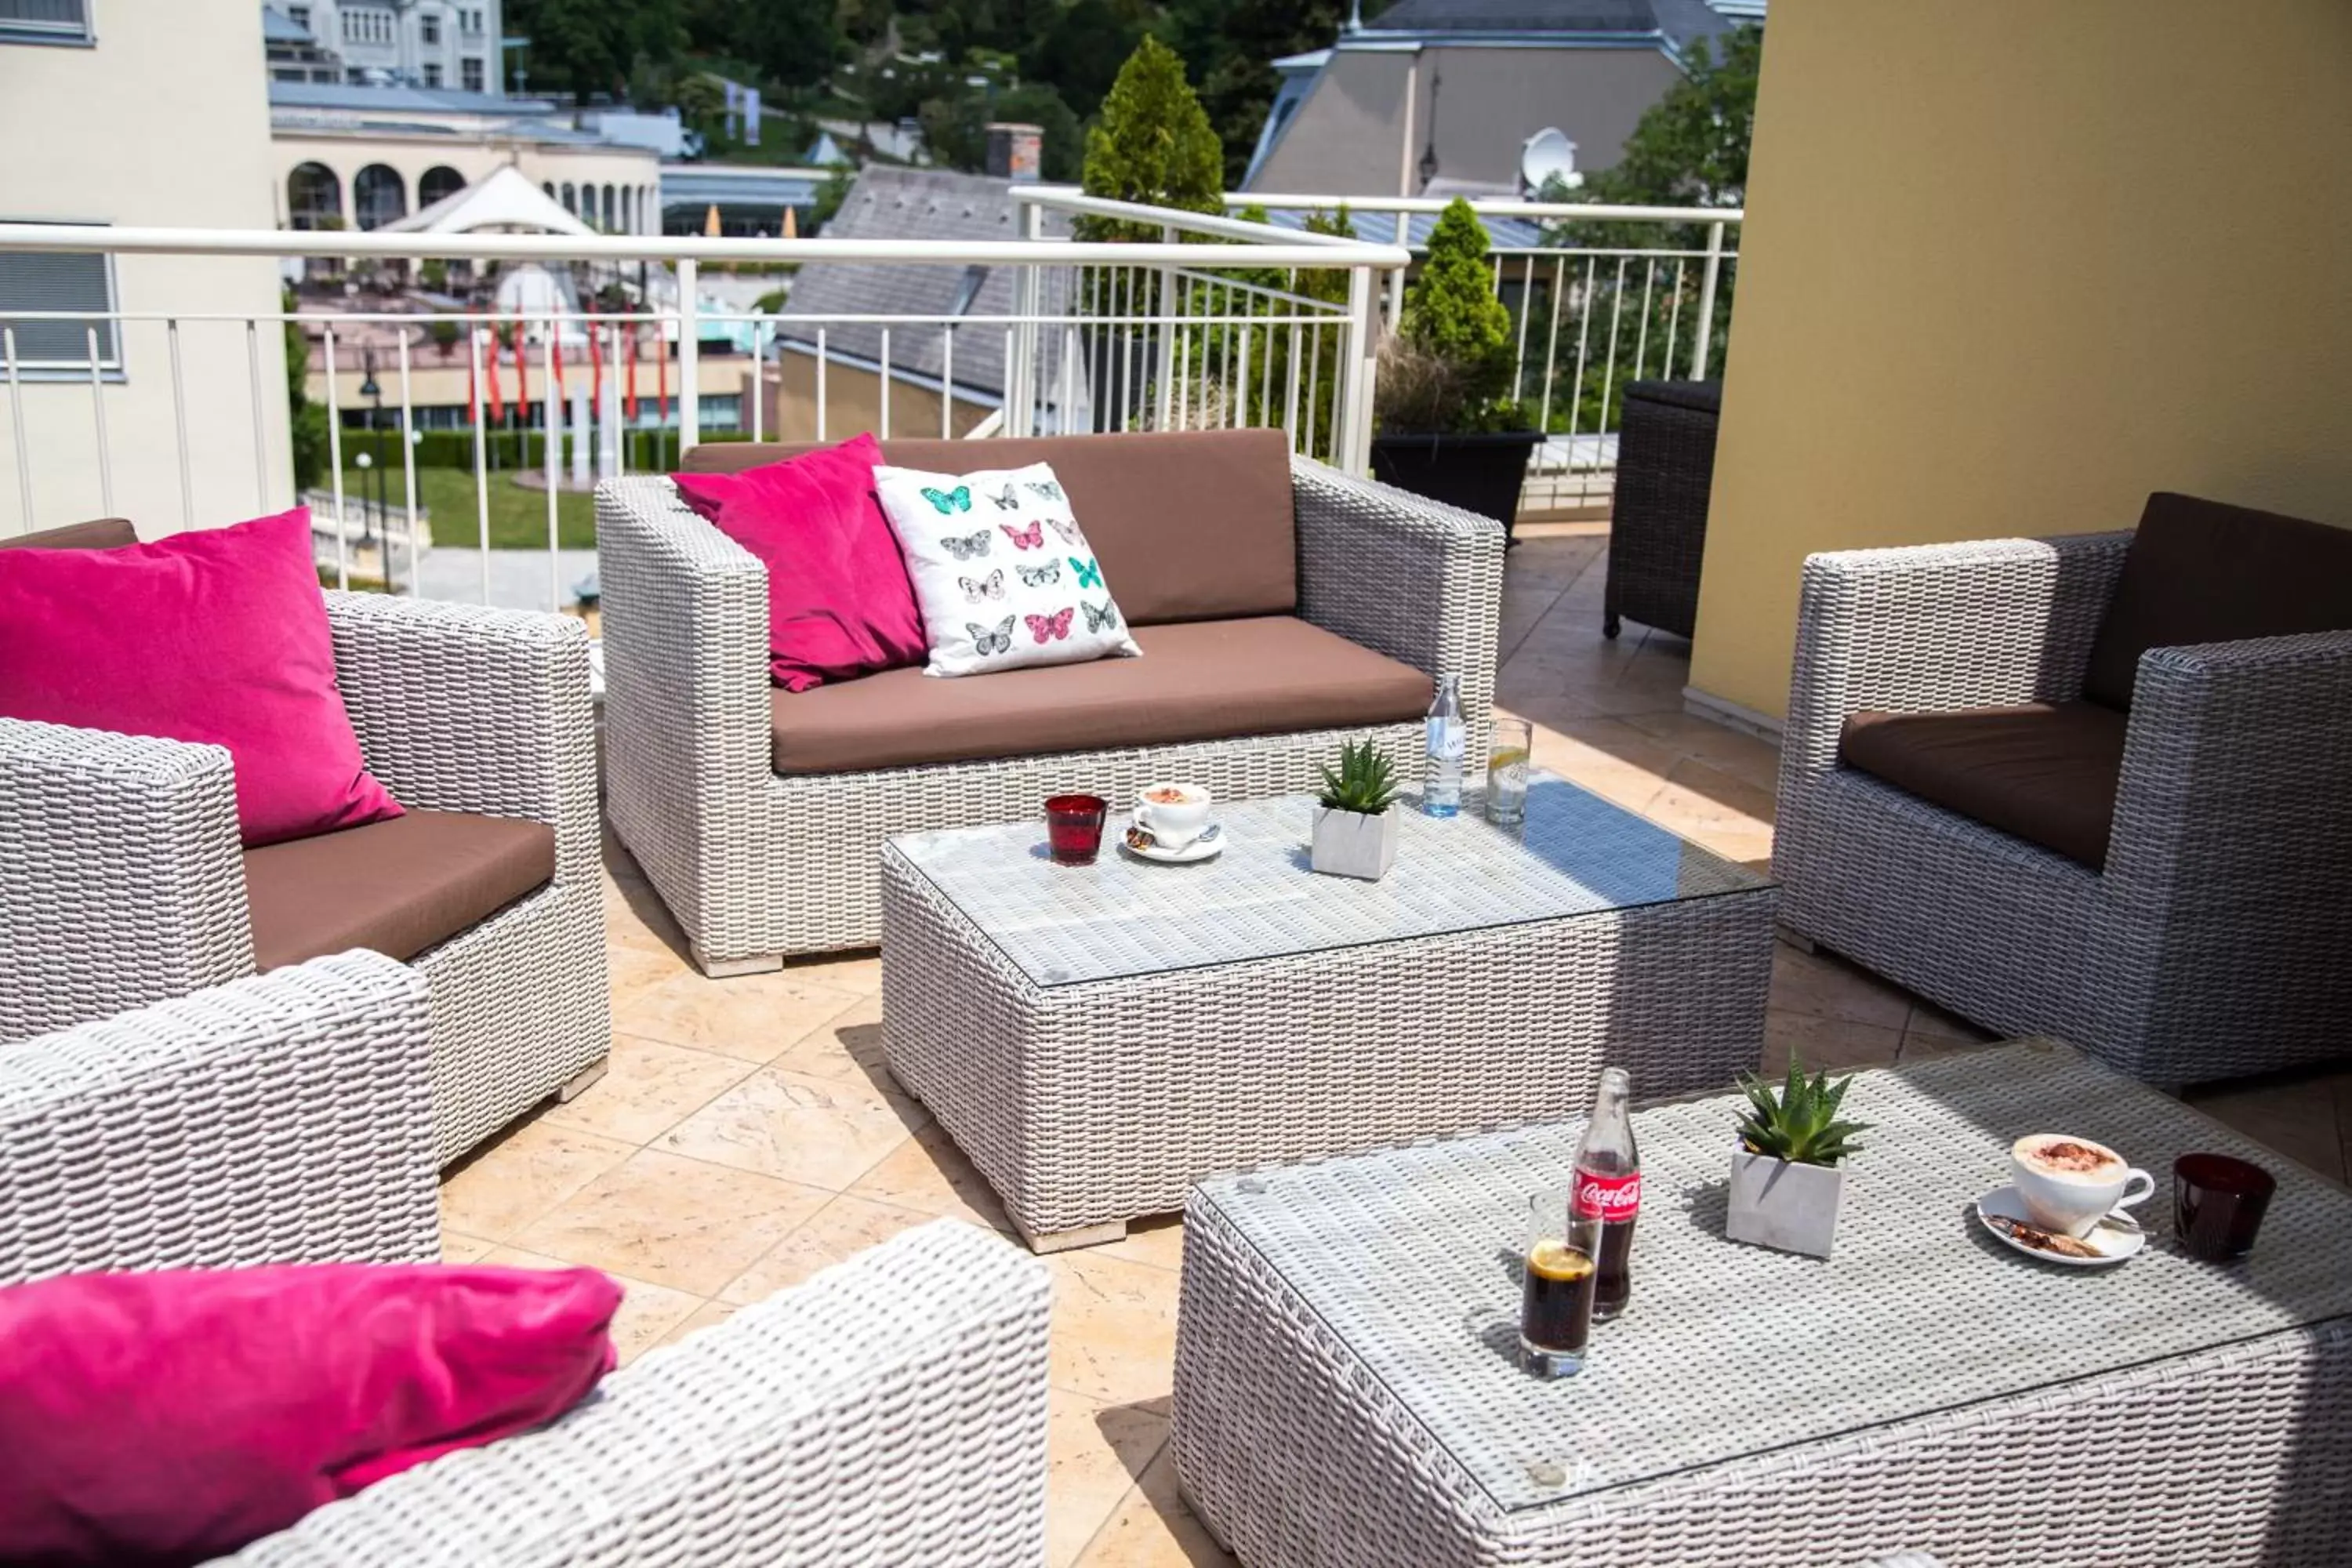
1013	150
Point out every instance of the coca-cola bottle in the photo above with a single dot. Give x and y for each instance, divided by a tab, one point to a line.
1609	1187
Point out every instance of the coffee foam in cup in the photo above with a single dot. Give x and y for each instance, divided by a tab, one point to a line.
2066	1159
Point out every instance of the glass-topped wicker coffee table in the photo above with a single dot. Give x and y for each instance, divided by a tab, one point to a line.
1097	1037
1347	1395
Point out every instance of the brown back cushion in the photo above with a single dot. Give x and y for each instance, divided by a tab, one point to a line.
1190	525
2200	572
106	533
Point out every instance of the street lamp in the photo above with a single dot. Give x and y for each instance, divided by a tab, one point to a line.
374	392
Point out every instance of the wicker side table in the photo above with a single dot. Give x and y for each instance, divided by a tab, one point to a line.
1657	531
1347	1393
1095	1039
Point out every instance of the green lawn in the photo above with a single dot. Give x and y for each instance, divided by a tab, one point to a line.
518	516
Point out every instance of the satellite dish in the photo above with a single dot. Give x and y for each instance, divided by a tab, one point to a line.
1545	157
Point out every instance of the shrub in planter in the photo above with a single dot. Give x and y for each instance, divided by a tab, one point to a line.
1786	1186
1355	820
1447	425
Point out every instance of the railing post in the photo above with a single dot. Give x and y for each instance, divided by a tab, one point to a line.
689	361
1396	279
1021	383
1357	370
1166	306
1707	301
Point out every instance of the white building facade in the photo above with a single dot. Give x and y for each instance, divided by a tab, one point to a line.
419	43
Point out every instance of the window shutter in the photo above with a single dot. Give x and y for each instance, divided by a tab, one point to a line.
71	280
64	18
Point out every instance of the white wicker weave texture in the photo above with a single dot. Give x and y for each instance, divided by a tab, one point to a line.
1485	988
282	1119
2213	942
891	1411
1347	1391
754	864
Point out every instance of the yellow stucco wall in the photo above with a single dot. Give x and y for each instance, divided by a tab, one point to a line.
2009	266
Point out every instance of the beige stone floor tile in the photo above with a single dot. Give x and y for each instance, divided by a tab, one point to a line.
1154	1527
458	1248
1825	987
2295	1115
929	1173
701	1317
1744	757
855	971
1114	1334
822	1132
848	1047
1932	1022
1825	1043
647	1089
630	971
753	1018
1158	1241
834	1234
1094	1454
648	1312
1618	764
672	1221
526	1173
1711	807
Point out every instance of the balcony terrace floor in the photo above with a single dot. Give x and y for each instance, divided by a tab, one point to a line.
748	1134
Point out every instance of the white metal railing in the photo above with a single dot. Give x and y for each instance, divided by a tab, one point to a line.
1648	296
1217	322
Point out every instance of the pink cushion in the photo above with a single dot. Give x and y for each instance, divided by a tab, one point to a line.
217	636
179	1415
839	604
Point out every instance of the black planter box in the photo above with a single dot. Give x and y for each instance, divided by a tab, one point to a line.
1480	473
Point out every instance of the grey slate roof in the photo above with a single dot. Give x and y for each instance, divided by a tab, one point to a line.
889	203
437	100
1679	21
276	27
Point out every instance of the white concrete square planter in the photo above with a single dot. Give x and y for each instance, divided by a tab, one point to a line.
1350	844
1793	1208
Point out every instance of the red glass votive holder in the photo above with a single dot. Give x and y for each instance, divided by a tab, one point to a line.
1074	826
2217	1202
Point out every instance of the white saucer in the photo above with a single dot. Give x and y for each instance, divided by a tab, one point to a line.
2115	1242
1207	846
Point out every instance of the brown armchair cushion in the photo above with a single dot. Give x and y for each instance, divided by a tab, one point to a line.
398	886
105	534
2199	572
2046	772
1190	525
1197	680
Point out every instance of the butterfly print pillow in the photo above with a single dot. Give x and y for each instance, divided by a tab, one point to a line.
1002	570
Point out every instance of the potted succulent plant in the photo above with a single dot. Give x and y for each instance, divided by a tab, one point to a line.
1449	426
1786	1185
1355	821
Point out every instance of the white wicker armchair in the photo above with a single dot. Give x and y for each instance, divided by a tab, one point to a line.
890	1411
121	883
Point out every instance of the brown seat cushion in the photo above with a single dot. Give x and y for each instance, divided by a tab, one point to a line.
2200	572
2044	772
1197	680
1191	525
398	886
105	534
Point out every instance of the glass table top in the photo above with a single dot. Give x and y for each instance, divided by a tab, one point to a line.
1575	854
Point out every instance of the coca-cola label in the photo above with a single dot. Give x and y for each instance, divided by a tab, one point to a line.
1611	1198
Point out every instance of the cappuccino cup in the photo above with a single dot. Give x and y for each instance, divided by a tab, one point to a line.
1174	814
2067	1182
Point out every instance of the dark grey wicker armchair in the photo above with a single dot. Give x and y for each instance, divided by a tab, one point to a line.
1657	531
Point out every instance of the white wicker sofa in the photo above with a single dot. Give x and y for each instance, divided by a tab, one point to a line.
757	860
122	881
869	1415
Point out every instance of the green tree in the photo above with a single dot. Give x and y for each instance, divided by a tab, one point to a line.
1690	148
306	420
1450	367
831	194
1230	46
1063	155
592	46
1153	144
795	43
1075	53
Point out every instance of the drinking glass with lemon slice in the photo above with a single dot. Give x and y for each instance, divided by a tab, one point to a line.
1506	771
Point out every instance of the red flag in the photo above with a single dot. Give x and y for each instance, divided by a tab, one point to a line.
661	362
596	374
555	366
522	379
498	404
629	403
